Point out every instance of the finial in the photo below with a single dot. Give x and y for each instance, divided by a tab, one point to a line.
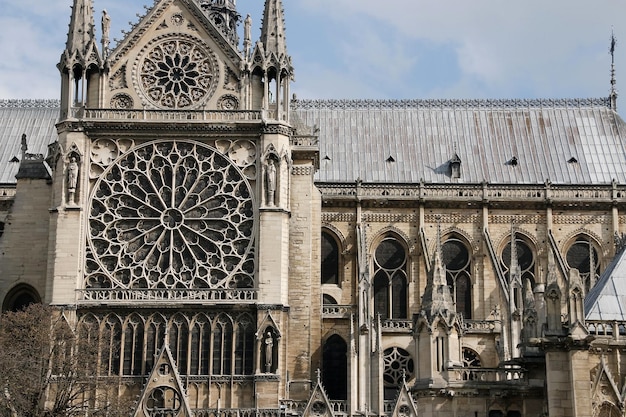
318	374
24	146
613	95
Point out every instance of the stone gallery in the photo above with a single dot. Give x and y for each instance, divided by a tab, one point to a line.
254	254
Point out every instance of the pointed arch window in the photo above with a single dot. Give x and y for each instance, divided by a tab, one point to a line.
200	346
244	347
390	280
525	262
179	342
155	335
456	258
133	346
583	255
335	368
222	346
111	362
330	259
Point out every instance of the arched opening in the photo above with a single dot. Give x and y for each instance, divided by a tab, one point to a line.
390	280
583	256
456	258
20	297
335	368
330	259
398	365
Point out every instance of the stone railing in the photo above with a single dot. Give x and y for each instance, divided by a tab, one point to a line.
612	329
336	311
237	412
476	192
339	407
171	115
291	407
396	325
490	375
482	326
389	406
125	296
305	141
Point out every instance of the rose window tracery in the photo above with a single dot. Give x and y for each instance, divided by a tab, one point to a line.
171	215
177	73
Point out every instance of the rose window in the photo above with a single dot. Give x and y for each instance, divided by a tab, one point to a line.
177	73
172	215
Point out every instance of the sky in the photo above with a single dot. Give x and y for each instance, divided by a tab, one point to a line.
392	49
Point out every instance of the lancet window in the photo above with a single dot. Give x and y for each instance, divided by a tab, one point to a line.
330	259
335	368
583	255
456	258
390	280
202	344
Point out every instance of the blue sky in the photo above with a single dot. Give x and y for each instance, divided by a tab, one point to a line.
376	49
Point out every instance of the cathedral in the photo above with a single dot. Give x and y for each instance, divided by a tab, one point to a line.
253	254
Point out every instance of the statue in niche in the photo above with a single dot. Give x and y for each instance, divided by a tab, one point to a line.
72	180
270	182
269	352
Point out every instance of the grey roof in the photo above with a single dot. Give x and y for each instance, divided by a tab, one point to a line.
383	141
36	119
405	141
607	299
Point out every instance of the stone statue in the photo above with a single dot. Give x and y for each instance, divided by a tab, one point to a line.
270	182
247	25
106	28
269	352
72	179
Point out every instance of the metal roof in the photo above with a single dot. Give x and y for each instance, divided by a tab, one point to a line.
498	141
607	299
36	119
405	141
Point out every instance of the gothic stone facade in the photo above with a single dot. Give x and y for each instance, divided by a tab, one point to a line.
256	255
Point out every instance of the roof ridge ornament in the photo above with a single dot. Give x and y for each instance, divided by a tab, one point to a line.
613	95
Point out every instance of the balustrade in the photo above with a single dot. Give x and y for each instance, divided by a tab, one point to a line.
169	115
122	296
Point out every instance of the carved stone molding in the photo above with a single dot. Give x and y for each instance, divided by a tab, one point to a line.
302	170
338	217
276	129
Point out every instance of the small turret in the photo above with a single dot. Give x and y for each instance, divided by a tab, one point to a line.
271	65
81	63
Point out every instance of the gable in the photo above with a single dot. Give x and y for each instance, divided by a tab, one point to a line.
174	58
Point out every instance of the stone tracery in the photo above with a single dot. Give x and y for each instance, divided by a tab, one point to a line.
171	215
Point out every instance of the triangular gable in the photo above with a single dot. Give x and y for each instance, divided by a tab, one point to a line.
603	372
155	18
404	407
607	300
318	405
268	321
164	392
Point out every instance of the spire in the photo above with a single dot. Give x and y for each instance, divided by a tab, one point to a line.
82	29
613	95
437	299
273	28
